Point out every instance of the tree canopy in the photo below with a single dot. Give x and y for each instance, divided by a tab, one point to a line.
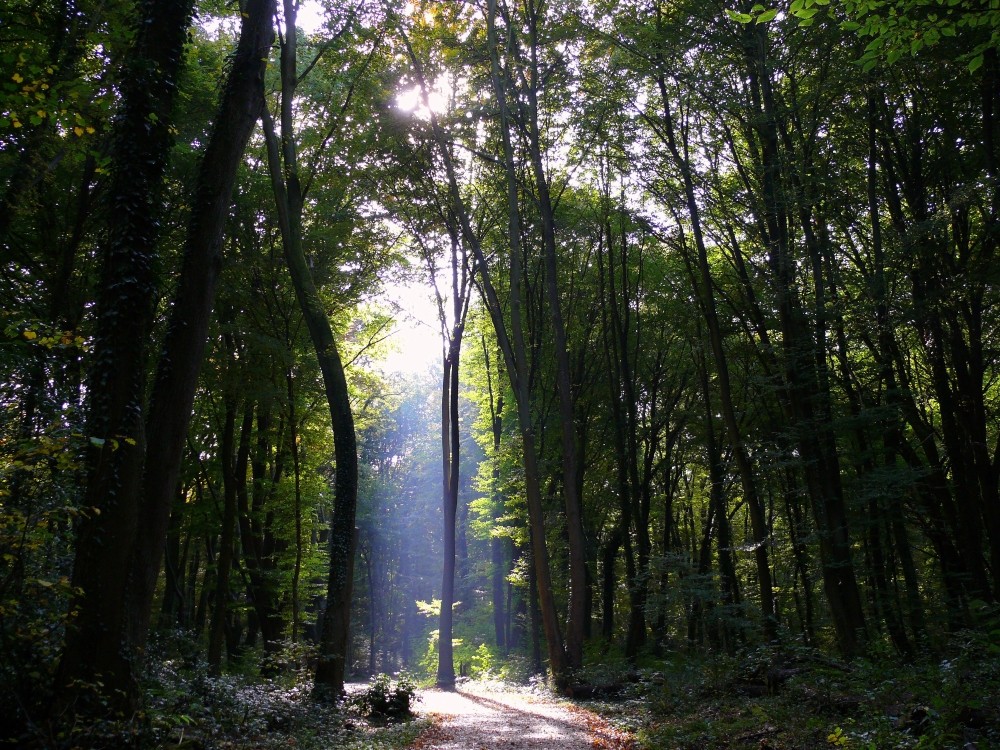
717	294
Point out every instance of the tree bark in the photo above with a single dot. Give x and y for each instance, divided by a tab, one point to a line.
283	166
567	424
701	279
224	560
97	667
183	350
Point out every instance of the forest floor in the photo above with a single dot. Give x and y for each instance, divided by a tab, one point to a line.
479	716
788	699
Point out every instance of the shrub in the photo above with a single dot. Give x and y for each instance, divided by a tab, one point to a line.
387	700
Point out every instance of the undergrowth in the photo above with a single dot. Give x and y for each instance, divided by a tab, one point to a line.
185	708
797	698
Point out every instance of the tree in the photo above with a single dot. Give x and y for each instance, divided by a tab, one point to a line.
97	647
289	197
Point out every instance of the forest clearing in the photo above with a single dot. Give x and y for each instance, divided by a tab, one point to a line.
381	375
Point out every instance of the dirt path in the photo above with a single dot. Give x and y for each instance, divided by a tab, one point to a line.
473	718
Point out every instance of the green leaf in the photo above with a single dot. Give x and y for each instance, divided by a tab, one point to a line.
975	63
739	17
807	13
767	15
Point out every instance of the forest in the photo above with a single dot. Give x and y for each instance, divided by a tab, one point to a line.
699	404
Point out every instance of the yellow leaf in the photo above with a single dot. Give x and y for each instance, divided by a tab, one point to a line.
41	113
78	130
29	334
17	78
90	129
16	123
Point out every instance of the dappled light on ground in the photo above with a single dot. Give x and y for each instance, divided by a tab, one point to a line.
472	718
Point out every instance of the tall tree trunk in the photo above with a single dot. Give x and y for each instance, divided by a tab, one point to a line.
806	399
293	442
575	538
224	560
283	166
729	582
184	347
511	342
97	655
701	279
449	458
450	447
498	569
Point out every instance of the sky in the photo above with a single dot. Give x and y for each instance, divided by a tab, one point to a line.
417	336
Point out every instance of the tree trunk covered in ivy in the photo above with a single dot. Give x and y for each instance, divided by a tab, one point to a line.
97	670
183	351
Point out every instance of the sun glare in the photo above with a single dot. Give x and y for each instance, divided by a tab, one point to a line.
417	337
411	100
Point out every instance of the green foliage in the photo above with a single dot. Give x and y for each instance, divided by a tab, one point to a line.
39	508
894	28
57	86
810	702
184	707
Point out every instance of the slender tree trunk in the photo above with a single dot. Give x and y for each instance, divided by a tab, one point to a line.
570	459
729	582
498	569
224	560
814	438
511	342
173	584
703	285
293	440
450	451
283	166
256	524
449	458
